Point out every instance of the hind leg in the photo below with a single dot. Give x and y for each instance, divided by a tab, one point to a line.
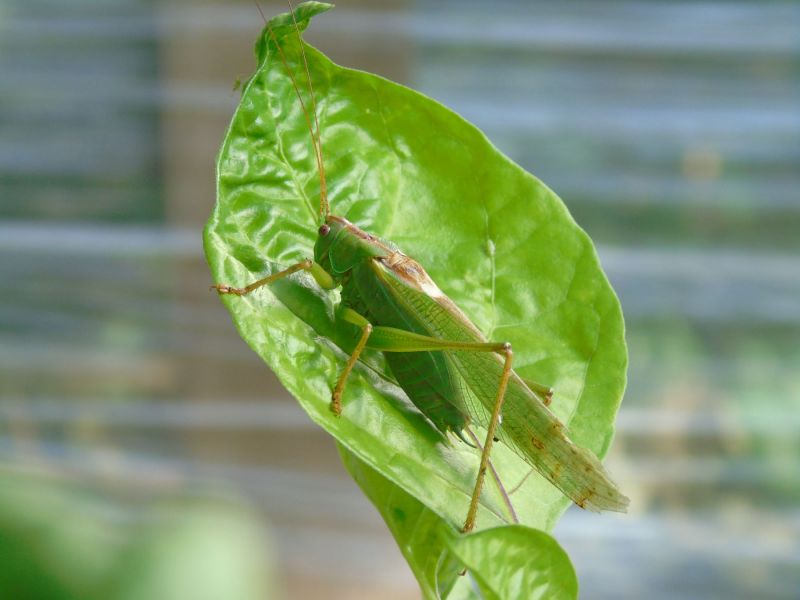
469	524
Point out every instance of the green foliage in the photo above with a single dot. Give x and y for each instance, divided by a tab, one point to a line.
59	541
493	237
511	561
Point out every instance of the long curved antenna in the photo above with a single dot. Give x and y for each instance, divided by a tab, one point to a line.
323	186
324	207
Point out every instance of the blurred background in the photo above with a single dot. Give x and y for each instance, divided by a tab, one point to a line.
137	429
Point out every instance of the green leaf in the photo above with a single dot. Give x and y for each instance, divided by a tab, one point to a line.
526	563
493	237
420	533
513	561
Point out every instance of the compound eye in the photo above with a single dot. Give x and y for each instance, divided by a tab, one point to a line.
324	230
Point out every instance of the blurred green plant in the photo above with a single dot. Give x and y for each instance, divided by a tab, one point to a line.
60	541
493	237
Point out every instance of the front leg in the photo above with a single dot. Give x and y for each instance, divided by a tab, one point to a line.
321	276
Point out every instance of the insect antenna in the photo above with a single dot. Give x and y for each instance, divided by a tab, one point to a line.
324	207
323	186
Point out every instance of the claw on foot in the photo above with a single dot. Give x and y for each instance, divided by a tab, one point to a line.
222	288
336	404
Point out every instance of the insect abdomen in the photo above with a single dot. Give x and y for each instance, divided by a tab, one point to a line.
426	377
421	376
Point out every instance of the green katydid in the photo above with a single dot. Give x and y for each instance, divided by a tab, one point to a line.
441	360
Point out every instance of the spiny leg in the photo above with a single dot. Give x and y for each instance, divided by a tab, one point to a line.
391	339
320	275
336	397
469	524
506	495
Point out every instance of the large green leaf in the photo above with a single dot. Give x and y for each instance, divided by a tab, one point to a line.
512	561
493	237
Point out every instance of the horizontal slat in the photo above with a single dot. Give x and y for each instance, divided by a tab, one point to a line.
655	26
272	414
